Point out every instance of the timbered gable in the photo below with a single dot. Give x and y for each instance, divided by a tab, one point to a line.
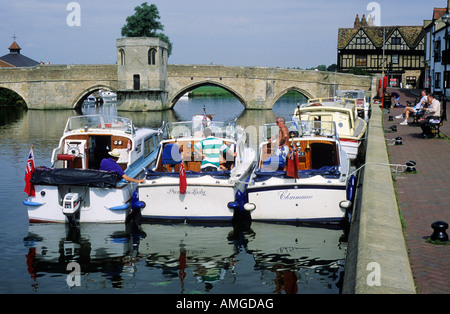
360	41
395	41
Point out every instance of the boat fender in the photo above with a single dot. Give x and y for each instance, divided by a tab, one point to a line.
135	202
351	187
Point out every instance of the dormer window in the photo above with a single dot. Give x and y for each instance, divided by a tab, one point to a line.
361	41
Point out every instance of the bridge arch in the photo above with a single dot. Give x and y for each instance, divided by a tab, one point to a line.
173	100
287	90
80	97
16	91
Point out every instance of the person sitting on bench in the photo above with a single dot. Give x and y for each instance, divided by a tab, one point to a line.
413	110
431	112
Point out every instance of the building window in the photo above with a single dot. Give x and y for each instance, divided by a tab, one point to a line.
122	57
437	51
437	80
152	56
361	60
361	41
396	41
136	82
394	59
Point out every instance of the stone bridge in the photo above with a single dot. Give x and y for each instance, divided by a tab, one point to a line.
66	86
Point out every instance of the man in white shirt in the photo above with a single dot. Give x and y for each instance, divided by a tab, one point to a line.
433	111
411	110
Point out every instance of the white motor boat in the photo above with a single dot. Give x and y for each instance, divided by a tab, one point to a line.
73	189
349	127
206	194
362	103
310	185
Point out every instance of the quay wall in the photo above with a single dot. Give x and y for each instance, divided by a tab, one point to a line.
377	259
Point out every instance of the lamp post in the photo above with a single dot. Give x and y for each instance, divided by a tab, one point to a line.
446	20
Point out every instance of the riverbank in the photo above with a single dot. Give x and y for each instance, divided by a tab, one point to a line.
377	258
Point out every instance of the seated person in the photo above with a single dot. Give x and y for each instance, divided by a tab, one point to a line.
395	96
110	164
432	111
210	149
414	110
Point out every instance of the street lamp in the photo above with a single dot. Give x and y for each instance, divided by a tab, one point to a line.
446	20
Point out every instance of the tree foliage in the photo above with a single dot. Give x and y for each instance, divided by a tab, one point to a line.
145	23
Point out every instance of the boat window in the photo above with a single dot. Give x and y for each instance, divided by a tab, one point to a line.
149	146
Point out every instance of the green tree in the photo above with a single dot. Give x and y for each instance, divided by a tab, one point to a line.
144	23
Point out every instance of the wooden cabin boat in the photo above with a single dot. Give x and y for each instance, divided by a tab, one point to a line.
310	185
73	189
206	194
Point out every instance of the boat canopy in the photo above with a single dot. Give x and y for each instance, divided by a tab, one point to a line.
100	122
195	128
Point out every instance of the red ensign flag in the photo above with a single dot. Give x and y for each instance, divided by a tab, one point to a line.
183	182
29	187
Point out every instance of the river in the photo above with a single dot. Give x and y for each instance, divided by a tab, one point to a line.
162	258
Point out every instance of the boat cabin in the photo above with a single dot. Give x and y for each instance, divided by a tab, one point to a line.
342	111
88	139
314	141
179	139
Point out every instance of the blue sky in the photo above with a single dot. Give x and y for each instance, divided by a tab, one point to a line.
266	33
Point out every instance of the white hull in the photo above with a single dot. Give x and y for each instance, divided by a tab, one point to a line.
306	200
206	198
105	205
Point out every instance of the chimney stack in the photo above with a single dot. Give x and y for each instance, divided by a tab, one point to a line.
364	22
357	23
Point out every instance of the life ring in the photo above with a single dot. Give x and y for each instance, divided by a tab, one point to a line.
316	104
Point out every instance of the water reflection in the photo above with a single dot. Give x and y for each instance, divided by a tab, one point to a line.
182	258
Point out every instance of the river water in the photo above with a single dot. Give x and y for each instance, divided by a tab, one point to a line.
162	258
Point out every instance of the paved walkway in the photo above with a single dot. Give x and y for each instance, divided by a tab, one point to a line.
423	197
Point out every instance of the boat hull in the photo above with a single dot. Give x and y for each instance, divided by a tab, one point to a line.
206	202
105	205
299	202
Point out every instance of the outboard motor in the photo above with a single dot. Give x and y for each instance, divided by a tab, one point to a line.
241	209
71	207
136	206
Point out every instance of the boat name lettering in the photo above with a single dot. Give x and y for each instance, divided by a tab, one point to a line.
286	195
193	191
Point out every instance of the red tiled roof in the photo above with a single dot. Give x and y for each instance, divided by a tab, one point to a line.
438	12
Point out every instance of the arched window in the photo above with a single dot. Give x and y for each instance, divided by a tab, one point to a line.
152	56
122	57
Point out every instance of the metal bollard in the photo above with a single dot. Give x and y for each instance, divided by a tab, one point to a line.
439	233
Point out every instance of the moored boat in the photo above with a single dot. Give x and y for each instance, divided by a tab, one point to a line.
310	185
73	189
349	127
179	187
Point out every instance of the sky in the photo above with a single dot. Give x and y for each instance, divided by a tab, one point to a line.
260	33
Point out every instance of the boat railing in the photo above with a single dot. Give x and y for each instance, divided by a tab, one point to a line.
98	121
335	100
196	129
299	128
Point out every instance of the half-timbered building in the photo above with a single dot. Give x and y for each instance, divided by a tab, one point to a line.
361	47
